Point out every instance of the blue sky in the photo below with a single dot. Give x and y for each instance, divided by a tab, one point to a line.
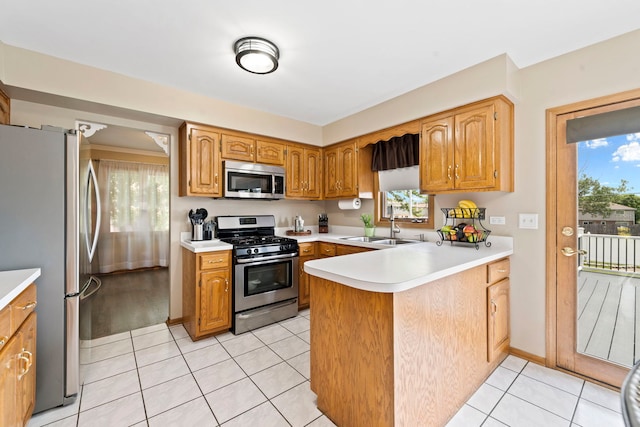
611	159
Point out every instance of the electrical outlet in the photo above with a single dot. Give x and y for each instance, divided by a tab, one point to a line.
497	220
528	220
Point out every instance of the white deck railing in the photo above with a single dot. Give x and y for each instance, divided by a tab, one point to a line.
610	252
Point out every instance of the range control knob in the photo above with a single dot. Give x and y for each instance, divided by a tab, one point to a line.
248	251
256	250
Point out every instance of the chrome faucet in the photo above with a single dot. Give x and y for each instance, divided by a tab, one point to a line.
393	229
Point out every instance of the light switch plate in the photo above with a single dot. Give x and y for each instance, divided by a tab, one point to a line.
497	220
528	220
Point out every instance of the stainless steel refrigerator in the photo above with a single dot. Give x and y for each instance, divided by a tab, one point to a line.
40	201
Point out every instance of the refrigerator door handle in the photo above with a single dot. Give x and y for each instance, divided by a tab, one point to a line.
92	179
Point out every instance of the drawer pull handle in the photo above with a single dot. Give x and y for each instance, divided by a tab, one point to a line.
28	306
27	357
214	261
494	307
502	270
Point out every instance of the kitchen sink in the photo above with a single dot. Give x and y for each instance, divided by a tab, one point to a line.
379	240
364	239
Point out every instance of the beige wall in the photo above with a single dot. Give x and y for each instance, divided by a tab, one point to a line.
597	70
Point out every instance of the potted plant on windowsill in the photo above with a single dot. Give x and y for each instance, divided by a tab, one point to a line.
369	226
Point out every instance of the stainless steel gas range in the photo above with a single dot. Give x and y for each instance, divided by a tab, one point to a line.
265	271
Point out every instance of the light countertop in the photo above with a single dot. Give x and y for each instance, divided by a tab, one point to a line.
391	268
407	266
13	282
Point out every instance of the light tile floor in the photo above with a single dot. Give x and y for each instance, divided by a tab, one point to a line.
157	376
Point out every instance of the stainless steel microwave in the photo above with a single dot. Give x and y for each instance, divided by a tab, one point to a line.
253	180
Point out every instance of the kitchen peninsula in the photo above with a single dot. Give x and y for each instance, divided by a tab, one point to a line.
403	337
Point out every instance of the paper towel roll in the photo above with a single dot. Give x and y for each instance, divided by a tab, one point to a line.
347	204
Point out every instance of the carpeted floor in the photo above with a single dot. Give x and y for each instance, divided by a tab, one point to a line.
126	301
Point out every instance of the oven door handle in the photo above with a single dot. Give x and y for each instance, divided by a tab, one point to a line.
267	258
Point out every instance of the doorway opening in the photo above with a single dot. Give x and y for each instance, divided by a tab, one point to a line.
130	216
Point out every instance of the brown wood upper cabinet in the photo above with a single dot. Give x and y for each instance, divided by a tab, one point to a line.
5	109
244	148
200	164
468	148
347	167
304	172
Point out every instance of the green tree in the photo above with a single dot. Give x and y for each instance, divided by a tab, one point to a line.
595	198
630	200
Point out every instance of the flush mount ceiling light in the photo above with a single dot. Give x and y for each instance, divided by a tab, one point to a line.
256	55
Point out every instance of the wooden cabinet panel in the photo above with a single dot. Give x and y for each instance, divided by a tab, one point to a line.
468	149
9	382
341	166
270	152
26	376
326	249
215	311
5	326
498	319
206	293
331	162
200	164
436	152
307	249
304	172
498	270
296	175
349	171
313	173
474	149
22	306
304	290
238	148
214	260
5	109
348	249
18	362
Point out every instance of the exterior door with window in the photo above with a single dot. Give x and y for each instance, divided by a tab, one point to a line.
590	303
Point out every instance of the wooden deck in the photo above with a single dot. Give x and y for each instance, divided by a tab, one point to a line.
608	324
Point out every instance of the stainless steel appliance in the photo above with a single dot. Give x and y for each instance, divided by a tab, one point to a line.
39	225
253	180
265	271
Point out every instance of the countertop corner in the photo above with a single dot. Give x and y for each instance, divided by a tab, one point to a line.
13	282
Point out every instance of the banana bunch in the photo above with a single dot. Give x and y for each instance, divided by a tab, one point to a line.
465	209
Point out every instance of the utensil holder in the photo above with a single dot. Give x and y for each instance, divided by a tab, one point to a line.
197	232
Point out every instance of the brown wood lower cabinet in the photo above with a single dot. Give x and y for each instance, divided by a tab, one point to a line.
409	358
206	292
18	360
314	250
308	251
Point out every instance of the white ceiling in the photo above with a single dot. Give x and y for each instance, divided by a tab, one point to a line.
338	57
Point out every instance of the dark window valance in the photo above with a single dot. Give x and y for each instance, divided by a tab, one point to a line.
398	152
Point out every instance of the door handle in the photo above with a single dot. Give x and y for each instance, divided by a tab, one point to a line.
567	251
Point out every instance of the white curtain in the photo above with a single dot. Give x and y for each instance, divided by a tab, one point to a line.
134	232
